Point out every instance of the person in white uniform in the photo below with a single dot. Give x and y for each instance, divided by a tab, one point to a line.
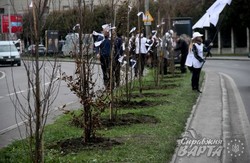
141	52
195	59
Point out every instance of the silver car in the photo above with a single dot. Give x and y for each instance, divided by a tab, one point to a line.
9	53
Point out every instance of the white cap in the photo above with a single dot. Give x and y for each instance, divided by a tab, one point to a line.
196	34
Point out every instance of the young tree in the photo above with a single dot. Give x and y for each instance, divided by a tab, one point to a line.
43	86
82	83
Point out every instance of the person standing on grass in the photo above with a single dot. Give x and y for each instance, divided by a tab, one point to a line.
103	50
118	48
195	59
153	43
182	45
167	44
141	52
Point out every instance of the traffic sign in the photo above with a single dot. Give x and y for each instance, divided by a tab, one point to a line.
147	17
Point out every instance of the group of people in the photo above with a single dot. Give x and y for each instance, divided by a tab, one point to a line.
140	48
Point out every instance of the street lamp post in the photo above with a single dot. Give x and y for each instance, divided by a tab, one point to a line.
9	21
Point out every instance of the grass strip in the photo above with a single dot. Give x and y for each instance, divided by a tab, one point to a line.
143	142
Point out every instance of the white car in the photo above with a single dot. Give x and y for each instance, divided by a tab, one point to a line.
9	53
71	45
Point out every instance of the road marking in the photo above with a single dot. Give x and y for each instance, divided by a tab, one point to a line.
3	76
3	131
12	127
25	90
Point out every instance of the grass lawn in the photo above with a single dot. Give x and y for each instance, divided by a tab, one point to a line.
152	142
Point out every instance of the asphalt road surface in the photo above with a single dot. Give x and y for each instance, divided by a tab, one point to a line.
239	71
15	77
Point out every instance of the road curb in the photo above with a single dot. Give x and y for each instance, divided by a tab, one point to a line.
225	117
58	60
190	119
243	118
228	58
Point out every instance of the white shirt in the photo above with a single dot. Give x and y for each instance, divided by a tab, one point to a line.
143	49
191	61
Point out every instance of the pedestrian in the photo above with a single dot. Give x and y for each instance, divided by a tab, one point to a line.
118	52
141	52
131	46
103	50
182	45
195	59
153	43
167	44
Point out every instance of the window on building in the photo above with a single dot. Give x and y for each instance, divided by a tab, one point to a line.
1	10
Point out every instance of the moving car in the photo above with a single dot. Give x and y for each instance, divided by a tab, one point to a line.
9	53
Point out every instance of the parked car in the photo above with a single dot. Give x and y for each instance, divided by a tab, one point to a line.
9	53
41	49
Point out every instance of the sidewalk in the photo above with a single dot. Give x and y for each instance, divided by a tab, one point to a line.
218	128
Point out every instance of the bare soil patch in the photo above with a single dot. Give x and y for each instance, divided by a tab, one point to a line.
75	145
129	119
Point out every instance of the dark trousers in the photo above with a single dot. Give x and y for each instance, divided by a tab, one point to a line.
140	63
153	58
195	77
116	73
105	69
183	60
164	66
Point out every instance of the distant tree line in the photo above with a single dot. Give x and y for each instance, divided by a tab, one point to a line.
236	16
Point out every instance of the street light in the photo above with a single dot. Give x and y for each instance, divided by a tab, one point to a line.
9	28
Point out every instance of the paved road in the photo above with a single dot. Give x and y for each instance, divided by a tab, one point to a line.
239	71
220	114
8	117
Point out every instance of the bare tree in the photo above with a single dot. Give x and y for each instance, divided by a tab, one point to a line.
82	82
34	105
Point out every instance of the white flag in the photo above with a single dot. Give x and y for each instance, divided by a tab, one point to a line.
31	4
214	19
216	8
202	22
133	62
98	43
97	34
132	30
226	1
139	13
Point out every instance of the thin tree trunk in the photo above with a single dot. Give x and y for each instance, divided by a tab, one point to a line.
38	135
